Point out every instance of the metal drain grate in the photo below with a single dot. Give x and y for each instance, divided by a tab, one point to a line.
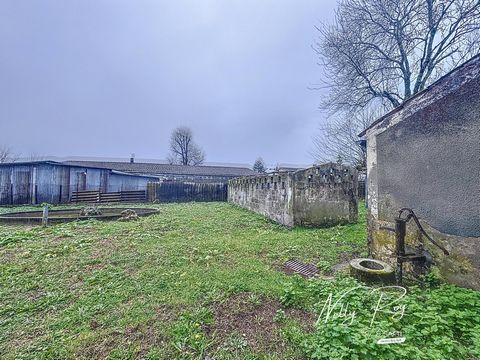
307	270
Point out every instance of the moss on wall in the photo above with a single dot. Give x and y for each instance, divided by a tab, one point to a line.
458	267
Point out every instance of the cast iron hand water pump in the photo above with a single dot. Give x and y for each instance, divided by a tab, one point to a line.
404	216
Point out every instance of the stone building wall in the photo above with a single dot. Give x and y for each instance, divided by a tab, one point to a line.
426	156
319	196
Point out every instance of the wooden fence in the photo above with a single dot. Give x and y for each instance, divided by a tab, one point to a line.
99	197
185	192
361	189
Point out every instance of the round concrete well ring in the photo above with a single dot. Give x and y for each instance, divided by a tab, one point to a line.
372	271
71	214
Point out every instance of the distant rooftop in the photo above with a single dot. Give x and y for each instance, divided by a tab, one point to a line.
157	169
118	159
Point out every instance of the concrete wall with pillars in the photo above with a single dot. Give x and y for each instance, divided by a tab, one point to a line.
319	196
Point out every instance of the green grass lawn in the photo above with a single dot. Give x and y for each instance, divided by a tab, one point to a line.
195	280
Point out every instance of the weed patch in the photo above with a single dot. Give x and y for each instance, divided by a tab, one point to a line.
436	323
202	279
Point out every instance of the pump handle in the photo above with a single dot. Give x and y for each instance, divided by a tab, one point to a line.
411	215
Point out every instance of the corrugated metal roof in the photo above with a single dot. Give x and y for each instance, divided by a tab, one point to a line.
155	168
19	163
55	163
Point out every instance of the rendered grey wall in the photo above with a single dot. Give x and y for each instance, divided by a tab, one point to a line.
425	155
430	161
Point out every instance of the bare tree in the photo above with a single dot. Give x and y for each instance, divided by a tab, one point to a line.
385	51
259	166
337	140
183	150
6	155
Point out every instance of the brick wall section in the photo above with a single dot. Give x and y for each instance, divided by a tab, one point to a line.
319	196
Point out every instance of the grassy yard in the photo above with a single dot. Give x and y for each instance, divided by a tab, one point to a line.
195	281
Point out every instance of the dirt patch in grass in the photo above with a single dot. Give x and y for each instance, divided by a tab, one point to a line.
95	267
254	319
35	294
76	284
8	256
142	337
24	338
304	318
346	256
282	268
104	247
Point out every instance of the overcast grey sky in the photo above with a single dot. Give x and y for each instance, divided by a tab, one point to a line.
111	77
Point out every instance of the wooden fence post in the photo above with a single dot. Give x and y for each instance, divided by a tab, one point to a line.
45	216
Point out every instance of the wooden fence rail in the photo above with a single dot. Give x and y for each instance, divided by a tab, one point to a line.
99	197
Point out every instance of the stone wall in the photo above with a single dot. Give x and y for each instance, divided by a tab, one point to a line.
325	195
319	196
426	156
269	195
